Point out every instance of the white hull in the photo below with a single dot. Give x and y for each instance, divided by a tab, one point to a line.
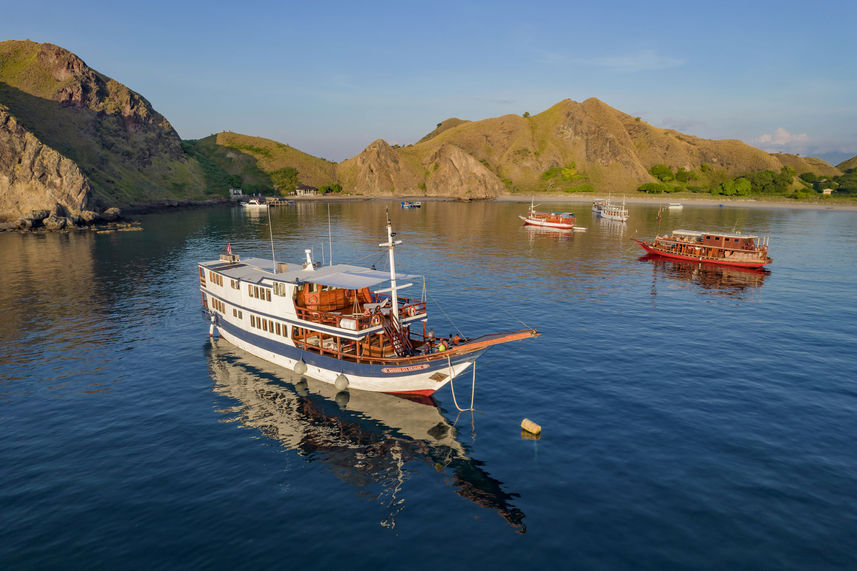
544	224
417	382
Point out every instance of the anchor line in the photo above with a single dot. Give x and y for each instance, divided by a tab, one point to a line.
452	387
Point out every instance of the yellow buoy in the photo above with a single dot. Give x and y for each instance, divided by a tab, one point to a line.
531	426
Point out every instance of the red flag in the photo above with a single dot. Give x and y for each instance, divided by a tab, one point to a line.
228	248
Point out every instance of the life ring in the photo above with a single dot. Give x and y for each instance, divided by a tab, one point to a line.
412	310
376	319
312	299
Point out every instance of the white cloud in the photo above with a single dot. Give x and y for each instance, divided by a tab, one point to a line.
645	60
782	138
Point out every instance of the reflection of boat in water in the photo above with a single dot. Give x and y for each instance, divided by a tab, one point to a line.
542	231
722	279
366	439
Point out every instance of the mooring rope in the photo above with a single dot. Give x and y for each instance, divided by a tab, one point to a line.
452	386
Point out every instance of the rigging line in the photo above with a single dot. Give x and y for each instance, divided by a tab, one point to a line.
513	317
434	301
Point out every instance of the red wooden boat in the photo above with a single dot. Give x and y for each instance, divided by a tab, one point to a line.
728	249
555	220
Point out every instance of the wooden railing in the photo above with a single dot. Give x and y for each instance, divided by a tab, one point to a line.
407	308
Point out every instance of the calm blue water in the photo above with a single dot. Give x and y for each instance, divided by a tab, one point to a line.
692	417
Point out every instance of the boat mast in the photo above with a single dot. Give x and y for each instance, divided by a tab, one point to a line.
390	245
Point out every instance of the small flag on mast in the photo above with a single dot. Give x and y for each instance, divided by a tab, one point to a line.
228	247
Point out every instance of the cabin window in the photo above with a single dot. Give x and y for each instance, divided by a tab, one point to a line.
268	294
235	284
252	321
278	328
280	289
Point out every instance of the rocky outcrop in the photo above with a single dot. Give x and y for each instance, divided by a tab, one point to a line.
35	178
453	171
379	169
128	153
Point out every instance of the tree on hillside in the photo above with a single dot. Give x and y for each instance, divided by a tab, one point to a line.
662	172
285	179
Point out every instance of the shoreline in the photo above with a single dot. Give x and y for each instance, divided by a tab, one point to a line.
689	201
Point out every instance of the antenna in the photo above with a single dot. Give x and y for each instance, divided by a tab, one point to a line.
271	233
329	234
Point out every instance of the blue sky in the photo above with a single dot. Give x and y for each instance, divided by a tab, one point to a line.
331	77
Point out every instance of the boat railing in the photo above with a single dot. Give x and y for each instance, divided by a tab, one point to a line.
366	319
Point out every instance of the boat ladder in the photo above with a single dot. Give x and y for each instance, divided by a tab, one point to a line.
401	344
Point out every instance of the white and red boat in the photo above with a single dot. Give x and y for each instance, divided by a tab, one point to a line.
552	219
728	249
329	323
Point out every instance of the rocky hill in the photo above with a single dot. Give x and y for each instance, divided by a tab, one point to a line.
73	140
69	127
570	147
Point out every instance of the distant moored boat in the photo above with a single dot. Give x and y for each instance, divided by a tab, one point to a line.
728	249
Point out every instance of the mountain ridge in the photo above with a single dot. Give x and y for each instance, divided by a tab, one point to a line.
75	139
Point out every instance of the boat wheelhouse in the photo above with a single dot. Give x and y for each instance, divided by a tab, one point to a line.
552	219
729	249
331	323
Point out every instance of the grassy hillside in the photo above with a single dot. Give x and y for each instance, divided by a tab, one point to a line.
130	152
258	165
848	165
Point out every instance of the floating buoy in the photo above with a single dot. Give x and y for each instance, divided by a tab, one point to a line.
300	367
531	426
341	382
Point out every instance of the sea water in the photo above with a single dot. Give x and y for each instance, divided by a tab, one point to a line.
693	416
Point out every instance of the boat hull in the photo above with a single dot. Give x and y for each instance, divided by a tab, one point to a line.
415	376
648	247
545	224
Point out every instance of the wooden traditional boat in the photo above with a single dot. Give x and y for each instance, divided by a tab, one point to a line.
728	249
557	220
328	322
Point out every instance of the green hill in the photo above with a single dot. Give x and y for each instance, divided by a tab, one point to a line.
848	165
258	165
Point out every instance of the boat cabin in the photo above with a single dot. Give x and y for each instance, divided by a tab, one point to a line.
728	241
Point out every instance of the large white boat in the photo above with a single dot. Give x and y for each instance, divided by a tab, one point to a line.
254	204
329	323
